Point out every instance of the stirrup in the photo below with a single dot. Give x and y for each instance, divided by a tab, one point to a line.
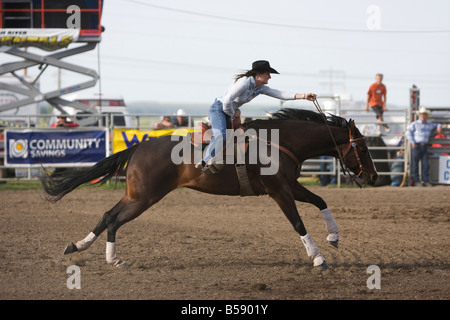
201	164
210	169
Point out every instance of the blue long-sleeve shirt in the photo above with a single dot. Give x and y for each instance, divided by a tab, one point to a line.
419	132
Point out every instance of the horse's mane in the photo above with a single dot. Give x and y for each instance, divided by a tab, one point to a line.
307	115
301	115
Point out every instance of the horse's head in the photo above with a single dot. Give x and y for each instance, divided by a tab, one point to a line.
357	158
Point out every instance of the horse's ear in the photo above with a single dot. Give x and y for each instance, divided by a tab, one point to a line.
352	124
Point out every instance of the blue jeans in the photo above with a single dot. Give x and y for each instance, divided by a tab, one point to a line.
219	121
326	166
420	154
397	167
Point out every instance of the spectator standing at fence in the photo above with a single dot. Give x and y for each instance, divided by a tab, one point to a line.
63	122
376	99
418	134
181	119
327	166
165	123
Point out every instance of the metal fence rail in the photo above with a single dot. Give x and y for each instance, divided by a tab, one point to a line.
311	167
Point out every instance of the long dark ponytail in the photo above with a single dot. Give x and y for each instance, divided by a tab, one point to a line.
249	73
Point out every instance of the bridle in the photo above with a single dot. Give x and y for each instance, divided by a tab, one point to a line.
353	145
355	150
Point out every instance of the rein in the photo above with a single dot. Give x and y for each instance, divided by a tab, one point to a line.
352	144
283	149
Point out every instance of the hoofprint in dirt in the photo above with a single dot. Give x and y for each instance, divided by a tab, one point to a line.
192	245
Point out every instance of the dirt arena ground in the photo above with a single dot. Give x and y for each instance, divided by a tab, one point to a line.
206	247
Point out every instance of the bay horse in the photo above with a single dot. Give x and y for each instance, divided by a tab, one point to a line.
151	175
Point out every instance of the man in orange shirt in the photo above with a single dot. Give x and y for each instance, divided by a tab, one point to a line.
376	99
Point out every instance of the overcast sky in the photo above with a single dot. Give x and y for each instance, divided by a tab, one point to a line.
189	51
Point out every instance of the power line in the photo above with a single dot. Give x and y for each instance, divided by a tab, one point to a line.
402	78
273	24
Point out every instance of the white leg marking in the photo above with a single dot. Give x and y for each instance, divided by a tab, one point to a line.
86	242
111	256
312	250
330	224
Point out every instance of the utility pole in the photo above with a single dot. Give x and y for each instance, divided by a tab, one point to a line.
335	77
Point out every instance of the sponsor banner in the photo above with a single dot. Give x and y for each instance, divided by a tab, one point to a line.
444	169
47	39
34	147
125	138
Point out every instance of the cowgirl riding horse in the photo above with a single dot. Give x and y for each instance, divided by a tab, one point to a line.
246	86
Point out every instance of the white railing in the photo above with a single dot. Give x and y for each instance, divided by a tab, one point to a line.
147	121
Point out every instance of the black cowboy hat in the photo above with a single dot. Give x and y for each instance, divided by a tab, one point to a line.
263	66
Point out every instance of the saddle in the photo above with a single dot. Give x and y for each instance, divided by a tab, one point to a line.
201	136
205	138
241	169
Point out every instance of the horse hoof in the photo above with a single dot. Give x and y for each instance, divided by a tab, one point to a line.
322	267
121	264
320	263
70	248
334	243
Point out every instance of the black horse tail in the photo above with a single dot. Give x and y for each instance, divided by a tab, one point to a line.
58	185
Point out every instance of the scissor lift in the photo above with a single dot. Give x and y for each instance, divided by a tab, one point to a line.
52	26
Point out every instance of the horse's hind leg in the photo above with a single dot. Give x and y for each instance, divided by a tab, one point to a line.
304	195
82	244
130	210
93	235
124	211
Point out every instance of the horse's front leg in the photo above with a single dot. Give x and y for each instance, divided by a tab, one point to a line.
285	199
304	195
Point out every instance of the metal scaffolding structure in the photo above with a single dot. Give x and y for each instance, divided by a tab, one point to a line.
49	25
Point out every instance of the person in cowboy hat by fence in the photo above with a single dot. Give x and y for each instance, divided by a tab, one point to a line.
246	86
418	134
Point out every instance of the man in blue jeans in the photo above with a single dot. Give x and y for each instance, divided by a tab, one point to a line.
418	134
